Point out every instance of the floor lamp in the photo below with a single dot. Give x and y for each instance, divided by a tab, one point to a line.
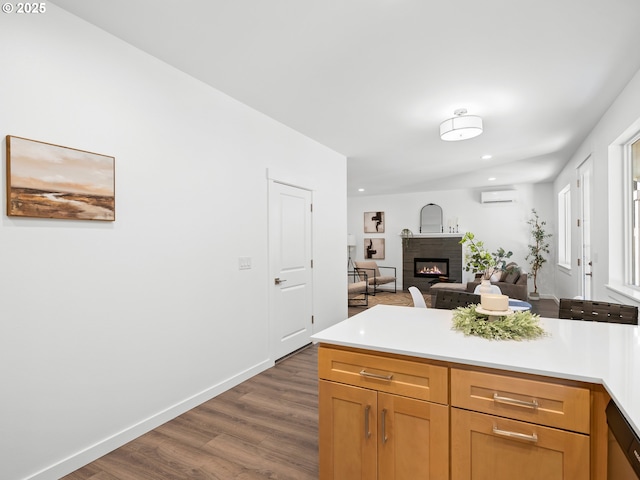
351	242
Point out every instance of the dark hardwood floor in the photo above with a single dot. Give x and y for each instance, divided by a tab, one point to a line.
265	428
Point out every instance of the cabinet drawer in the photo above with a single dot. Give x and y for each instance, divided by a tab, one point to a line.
485	446
410	378
534	401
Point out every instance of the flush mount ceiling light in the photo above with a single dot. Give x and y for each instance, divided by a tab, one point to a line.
460	127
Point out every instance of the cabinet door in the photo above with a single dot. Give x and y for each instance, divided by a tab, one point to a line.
413	439
348	432
486	447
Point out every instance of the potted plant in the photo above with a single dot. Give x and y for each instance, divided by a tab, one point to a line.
406	234
537	250
479	260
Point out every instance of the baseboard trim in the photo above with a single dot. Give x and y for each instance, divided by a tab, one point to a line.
93	452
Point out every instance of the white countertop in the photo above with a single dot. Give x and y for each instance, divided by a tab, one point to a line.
592	352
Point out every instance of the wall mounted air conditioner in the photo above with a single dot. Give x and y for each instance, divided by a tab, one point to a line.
501	196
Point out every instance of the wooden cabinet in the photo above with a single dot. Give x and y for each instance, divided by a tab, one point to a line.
413	441
348	431
486	447
375	421
385	416
505	427
546	403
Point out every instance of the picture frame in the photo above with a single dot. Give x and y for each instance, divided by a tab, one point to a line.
51	181
374	248
374	222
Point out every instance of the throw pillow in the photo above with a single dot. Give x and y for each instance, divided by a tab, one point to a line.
513	275
509	267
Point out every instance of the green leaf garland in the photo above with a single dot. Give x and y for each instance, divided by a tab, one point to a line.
521	325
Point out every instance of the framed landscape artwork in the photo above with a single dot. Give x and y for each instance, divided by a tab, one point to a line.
50	181
374	248
374	222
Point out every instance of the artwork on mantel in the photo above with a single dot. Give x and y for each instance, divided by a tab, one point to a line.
374	222
51	181
374	248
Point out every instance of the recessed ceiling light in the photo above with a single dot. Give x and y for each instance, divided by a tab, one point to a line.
487	157
361	189
491	179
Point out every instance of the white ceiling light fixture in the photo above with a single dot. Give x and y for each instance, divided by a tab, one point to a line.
460	127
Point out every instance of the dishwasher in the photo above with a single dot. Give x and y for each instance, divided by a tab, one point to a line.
623	459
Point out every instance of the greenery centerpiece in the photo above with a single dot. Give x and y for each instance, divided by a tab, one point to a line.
538	247
520	325
480	260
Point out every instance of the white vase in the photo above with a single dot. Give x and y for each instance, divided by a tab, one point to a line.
485	286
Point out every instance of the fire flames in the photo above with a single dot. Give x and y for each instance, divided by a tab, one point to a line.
433	270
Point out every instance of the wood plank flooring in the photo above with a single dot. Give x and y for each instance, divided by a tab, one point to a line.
265	428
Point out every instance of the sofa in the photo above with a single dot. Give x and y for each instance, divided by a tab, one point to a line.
512	282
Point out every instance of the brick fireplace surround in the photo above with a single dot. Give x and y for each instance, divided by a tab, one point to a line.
430	246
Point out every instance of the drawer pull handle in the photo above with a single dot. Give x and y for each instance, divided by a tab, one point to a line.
514	401
520	436
367	432
384	425
364	373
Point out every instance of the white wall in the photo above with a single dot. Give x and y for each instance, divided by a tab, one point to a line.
607	211
108	329
498	225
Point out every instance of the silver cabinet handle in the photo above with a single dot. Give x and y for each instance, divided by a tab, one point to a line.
384	425
520	436
367	432
364	373
513	401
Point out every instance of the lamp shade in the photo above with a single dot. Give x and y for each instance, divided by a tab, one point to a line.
460	127
351	240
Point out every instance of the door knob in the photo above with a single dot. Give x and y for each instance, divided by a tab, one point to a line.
278	281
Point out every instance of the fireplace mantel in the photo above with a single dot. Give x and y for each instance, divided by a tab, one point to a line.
434	235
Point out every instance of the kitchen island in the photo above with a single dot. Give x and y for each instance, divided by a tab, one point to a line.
574	359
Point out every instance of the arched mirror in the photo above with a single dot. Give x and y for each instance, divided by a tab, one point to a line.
431	219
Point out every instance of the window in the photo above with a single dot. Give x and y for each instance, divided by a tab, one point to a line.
564	227
623	226
634	222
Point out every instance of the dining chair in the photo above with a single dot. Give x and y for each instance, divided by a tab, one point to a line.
418	298
577	309
450	299
493	289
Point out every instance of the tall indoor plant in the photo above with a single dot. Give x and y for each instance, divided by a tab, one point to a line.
538	248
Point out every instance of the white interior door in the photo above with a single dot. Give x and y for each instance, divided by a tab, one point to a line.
585	173
290	266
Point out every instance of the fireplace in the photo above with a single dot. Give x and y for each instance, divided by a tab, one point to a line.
430	247
431	267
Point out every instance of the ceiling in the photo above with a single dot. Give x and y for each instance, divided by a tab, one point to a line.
373	79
